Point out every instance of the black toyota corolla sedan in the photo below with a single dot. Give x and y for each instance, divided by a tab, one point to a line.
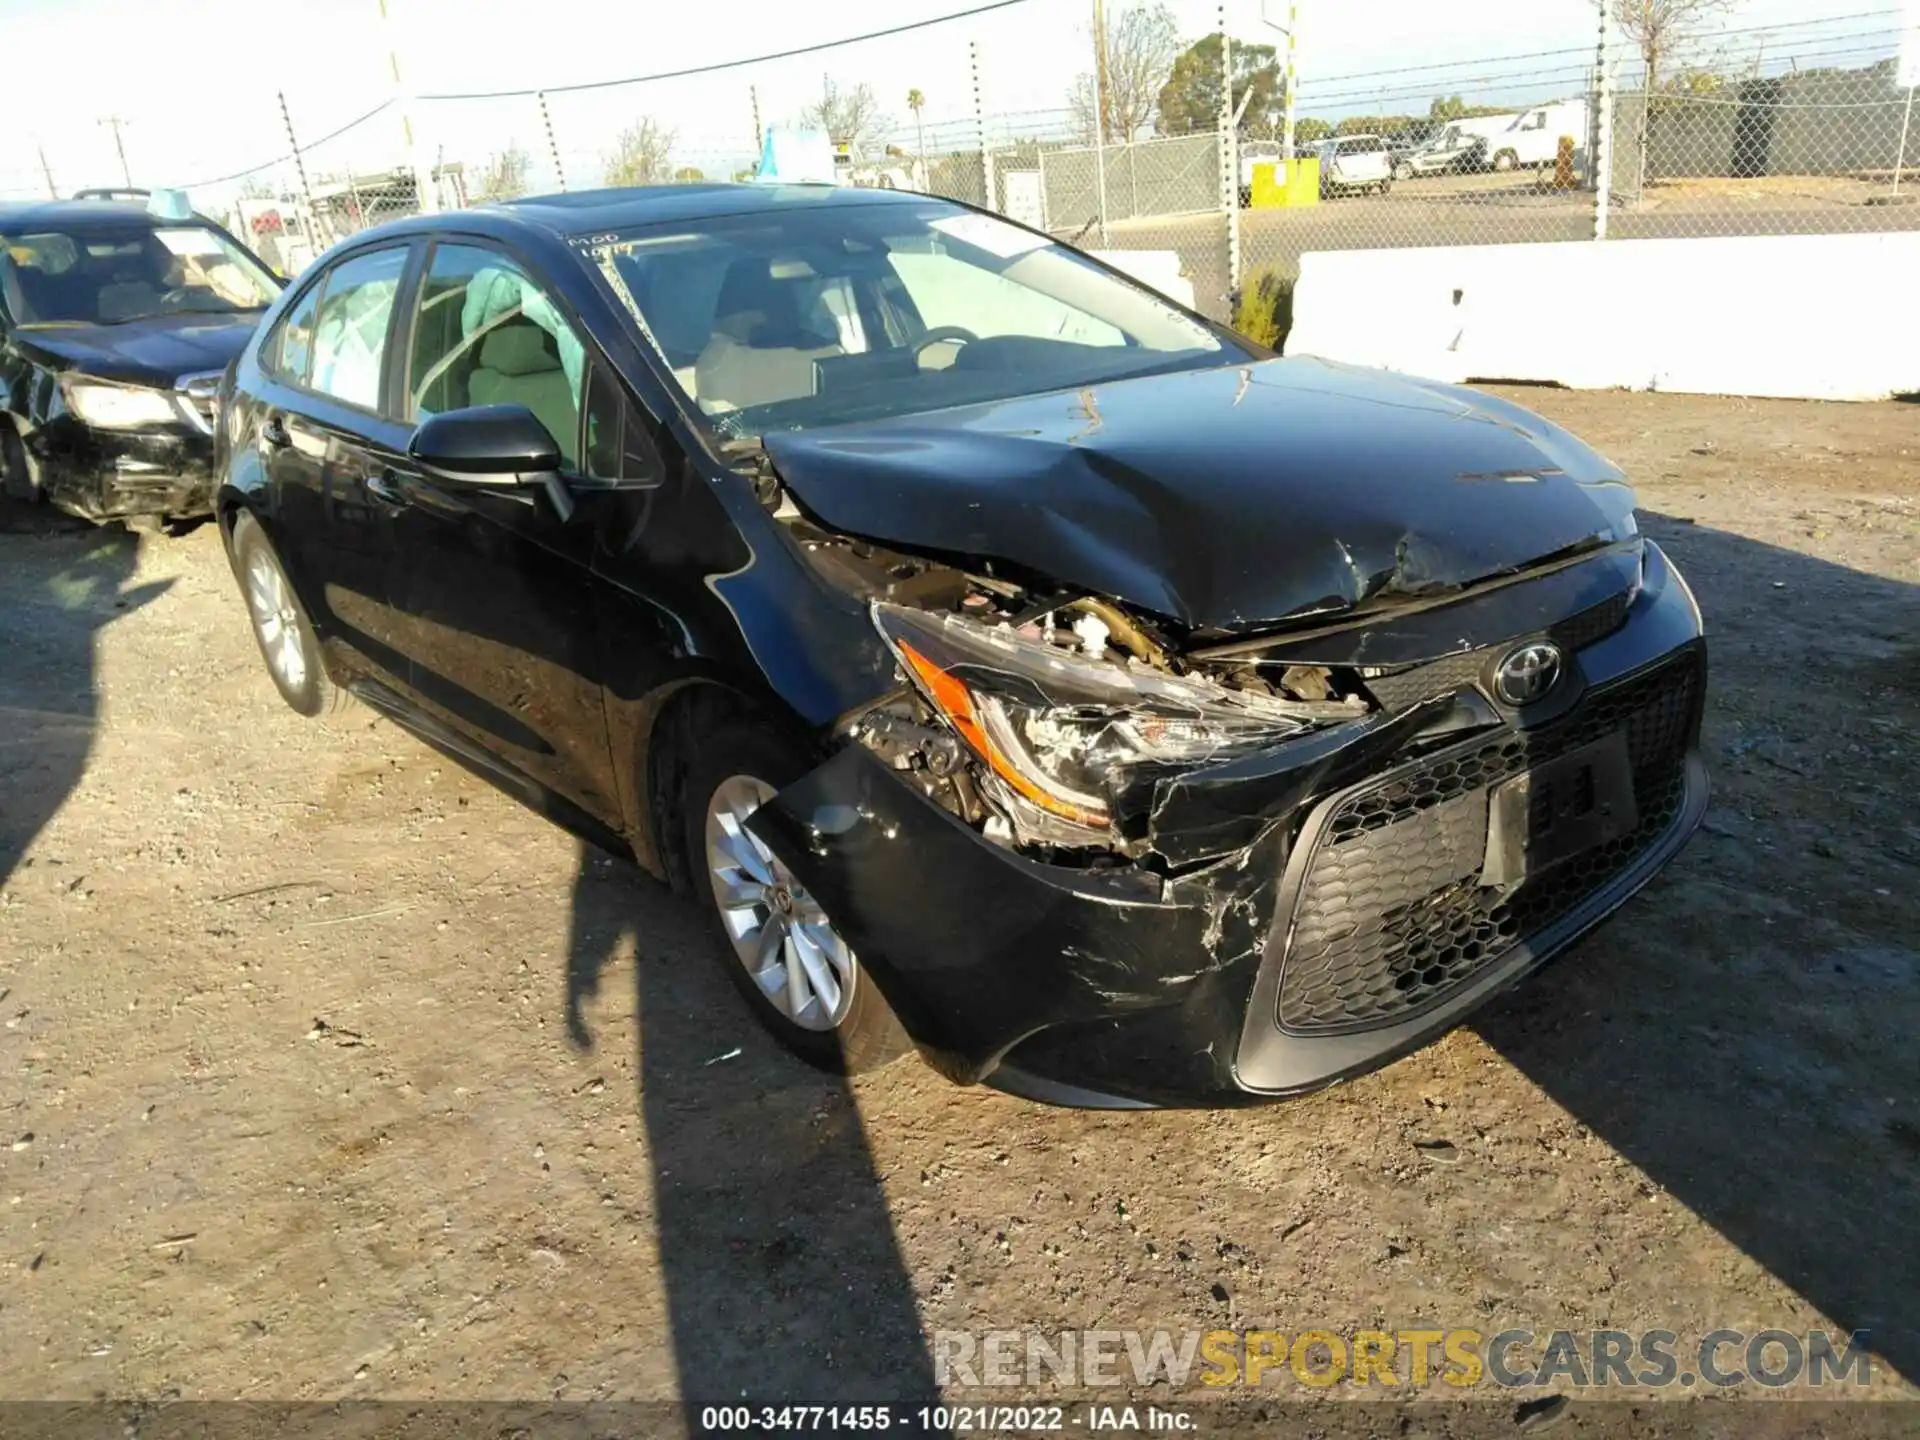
117	316
1007	660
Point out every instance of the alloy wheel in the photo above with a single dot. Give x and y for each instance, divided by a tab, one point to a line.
779	932
275	616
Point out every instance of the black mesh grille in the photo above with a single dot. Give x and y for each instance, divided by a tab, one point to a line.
1392	915
1452	673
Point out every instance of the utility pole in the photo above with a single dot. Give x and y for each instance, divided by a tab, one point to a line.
114	122
1290	30
424	187
759	139
46	170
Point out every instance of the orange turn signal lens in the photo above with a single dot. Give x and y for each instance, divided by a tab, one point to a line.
955	701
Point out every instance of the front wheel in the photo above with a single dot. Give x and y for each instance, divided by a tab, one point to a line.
776	942
1403	172
1506	160
280	625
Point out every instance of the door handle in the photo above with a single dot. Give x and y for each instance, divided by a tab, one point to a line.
384	486
274	432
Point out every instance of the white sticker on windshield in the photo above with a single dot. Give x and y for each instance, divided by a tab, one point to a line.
996	237
187	243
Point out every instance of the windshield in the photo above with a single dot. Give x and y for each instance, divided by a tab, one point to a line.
834	313
102	276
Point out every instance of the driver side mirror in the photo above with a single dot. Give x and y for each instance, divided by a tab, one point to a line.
492	447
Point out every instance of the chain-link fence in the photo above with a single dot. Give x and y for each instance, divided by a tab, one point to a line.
1798	128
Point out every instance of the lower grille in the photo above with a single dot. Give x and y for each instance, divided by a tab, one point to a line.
1392	916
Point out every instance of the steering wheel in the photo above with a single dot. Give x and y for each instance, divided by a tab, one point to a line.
941	333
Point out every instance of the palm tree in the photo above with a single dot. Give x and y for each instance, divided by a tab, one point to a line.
915	102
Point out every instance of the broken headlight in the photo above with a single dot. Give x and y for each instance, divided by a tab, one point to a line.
1060	732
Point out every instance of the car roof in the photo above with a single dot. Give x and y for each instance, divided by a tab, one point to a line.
79	215
594	212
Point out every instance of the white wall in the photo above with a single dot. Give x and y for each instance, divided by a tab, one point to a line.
1824	317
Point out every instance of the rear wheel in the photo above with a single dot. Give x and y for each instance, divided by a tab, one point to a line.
798	974
1506	160
280	624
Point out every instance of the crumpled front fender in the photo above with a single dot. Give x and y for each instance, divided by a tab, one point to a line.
977	947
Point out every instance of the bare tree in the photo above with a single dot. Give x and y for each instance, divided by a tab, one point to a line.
505	174
848	116
1658	28
1141	44
642	155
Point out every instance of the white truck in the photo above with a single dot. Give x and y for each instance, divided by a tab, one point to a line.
1533	139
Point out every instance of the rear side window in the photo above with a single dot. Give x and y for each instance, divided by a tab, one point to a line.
288	353
351	325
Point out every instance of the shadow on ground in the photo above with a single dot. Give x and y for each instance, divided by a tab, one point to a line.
784	1281
1743	1033
49	695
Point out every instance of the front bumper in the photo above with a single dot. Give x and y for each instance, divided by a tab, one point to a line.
105	474
1355	927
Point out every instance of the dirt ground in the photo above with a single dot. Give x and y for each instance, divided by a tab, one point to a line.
328	1072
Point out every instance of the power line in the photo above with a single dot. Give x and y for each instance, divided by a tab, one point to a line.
304	149
726	64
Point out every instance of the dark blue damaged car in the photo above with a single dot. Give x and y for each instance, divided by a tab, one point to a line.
1013	665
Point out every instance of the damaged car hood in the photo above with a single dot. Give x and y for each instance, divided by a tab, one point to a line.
1222	498
155	352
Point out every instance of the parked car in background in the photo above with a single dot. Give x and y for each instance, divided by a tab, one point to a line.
1451	151
117	317
995	651
1533	139
1350	163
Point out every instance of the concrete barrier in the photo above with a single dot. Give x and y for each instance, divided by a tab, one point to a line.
1818	317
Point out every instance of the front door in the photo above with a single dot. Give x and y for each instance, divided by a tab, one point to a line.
495	589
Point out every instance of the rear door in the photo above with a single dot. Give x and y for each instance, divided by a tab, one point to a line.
495	589
330	447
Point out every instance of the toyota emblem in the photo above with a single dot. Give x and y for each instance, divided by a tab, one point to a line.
1526	674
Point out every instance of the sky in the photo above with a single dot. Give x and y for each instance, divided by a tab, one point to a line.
197	83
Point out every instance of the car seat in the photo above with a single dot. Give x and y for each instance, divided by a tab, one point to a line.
762	351
517	368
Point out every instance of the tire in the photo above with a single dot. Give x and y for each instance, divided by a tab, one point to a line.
863	1035
1403	172
280	625
1506	160
1384	186
16	470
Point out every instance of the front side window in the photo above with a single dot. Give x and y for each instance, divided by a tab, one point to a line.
487	334
827	314
110	275
350	328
